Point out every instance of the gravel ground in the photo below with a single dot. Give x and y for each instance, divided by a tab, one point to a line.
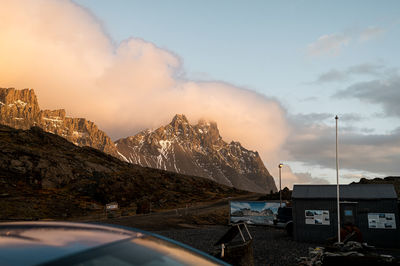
271	246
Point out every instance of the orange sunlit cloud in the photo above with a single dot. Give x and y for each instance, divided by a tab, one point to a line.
61	51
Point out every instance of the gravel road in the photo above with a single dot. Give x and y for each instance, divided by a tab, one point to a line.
203	225
271	246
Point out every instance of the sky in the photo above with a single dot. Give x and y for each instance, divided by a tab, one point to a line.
272	74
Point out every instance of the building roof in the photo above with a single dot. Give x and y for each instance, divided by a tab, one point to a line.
352	191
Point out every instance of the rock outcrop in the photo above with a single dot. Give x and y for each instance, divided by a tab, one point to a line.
197	150
20	109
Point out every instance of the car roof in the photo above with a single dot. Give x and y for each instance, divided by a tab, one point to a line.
33	243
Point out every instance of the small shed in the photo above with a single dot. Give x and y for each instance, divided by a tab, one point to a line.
373	208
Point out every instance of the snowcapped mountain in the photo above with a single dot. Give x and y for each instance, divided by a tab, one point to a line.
20	109
197	150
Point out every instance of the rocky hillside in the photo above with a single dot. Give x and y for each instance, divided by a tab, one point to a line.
197	150
395	180
20	109
43	175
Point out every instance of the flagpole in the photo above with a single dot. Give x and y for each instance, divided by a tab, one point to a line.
337	181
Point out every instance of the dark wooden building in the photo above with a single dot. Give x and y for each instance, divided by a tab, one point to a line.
373	208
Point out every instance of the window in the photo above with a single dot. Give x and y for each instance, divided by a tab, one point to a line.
348	212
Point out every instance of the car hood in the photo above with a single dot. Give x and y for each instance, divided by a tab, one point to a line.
38	242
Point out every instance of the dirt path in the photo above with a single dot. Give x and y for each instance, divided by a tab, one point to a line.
208	213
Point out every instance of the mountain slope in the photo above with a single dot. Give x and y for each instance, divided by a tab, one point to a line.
43	175
197	150
20	109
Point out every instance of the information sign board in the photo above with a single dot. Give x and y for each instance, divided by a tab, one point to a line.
319	217
381	220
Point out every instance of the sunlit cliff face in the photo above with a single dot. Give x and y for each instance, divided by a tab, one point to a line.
61	50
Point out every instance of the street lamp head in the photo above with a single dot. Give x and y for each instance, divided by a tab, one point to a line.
336	117
280	165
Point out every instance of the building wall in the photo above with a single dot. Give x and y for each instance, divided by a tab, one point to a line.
376	236
320	233
313	233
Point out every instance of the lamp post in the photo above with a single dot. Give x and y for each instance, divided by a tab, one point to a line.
337	181
280	184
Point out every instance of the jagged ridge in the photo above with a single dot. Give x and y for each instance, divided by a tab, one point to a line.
20	109
197	150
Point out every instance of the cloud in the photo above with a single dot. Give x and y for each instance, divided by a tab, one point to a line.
332	44
334	75
354	176
310	118
318	118
309	99
328	44
307	178
314	145
367	130
61	50
289	177
351	118
370	33
384	92
372	69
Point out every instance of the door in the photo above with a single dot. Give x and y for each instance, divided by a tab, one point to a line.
348	213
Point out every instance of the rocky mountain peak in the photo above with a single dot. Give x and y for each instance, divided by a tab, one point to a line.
179	119
197	150
180	124
208	126
20	109
208	130
54	114
18	100
9	96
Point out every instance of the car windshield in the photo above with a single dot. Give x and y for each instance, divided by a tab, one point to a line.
146	251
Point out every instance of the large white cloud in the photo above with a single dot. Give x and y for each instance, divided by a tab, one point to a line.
61	50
